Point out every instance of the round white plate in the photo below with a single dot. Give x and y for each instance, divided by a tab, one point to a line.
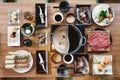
95	14
24	70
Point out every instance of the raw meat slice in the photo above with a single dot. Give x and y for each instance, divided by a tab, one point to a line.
98	40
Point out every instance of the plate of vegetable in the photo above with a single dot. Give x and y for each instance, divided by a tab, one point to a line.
103	15
14	16
13	36
27	29
102	64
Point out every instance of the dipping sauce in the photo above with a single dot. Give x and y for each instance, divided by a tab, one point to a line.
68	58
70	18
58	18
56	58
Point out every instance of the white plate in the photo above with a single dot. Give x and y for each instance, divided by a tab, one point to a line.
16	41
95	14
24	70
18	16
98	59
9	16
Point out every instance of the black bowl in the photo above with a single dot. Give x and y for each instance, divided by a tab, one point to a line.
63	70
64	6
27	42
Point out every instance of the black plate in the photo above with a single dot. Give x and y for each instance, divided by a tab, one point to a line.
76	56
44	55
38	20
103	30
78	19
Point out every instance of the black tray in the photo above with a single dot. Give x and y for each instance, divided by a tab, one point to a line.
44	55
78	19
75	59
44	11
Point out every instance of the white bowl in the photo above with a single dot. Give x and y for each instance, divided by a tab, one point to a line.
70	61
58	13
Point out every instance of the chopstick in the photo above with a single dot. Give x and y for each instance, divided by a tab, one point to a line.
59	7
63	67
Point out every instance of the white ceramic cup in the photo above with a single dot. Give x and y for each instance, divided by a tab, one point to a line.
68	58
58	17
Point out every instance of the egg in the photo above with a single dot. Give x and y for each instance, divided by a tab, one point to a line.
27	31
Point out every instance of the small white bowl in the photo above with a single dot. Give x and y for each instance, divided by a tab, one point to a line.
58	13
70	18
68	57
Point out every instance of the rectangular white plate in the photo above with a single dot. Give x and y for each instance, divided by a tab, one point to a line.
16	41
10	14
98	59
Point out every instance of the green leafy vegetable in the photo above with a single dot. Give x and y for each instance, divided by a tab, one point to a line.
106	70
102	15
28	28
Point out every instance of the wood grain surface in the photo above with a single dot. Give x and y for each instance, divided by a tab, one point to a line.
82	1
23	7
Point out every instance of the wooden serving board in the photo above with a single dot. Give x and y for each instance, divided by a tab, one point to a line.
107	32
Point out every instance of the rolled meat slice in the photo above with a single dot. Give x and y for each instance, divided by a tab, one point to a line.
9	61
10	57
22	60
10	66
22	65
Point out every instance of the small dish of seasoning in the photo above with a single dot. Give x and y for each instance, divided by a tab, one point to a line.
70	18
57	58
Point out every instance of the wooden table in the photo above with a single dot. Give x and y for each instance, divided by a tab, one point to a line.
4	49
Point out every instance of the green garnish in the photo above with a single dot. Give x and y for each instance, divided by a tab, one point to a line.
17	28
106	70
102	15
97	61
99	70
21	57
28	28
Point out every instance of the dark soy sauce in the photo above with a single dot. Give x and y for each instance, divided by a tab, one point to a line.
68	58
73	38
58	17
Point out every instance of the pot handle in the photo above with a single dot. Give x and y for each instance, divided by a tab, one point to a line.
84	41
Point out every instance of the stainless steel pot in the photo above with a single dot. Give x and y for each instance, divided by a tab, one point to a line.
75	38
